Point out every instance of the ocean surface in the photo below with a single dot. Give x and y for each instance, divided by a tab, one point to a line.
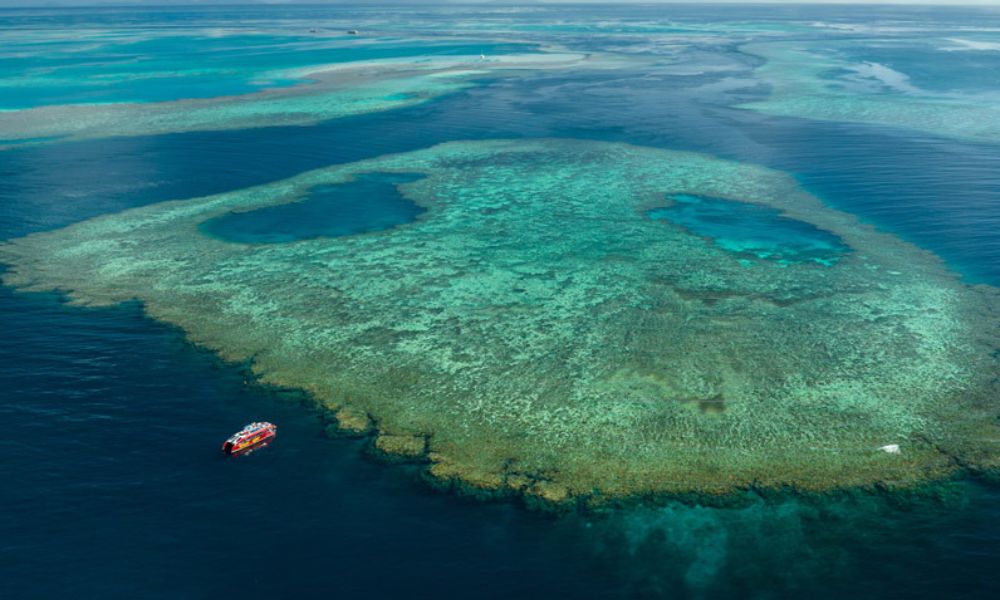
113	485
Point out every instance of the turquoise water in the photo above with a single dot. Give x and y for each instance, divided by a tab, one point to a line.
87	510
371	202
952	64
101	68
751	230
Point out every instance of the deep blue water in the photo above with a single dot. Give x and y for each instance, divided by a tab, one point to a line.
113	484
751	230
115	487
371	202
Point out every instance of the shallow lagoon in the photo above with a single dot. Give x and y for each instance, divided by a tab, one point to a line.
751	230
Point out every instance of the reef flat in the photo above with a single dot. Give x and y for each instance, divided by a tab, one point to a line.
800	88
330	92
535	331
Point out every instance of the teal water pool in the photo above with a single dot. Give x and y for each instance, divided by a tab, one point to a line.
751	230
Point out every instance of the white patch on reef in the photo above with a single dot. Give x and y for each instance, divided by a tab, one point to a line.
962	45
865	27
887	76
508	61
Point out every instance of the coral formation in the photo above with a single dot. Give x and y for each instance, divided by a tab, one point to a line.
332	92
799	89
535	331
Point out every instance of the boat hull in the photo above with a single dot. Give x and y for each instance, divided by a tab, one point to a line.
249	440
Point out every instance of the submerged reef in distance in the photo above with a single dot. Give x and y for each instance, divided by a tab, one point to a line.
534	330
798	89
330	92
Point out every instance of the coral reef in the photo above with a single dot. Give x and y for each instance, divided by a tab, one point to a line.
333	91
799	89
534	331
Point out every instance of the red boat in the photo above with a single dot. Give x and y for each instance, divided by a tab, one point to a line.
250	438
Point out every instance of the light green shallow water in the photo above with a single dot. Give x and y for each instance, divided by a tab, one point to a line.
534	331
333	91
301	105
798	89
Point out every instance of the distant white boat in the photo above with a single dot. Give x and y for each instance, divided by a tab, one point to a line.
890	448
